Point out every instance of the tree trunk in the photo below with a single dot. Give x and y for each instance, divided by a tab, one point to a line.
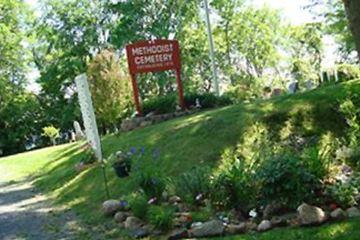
352	8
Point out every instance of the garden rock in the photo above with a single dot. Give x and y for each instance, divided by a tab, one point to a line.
132	223
264	226
208	229
310	215
284	220
178	234
236	228
353	212
338	214
120	217
250	226
270	210
145	124
110	207
174	199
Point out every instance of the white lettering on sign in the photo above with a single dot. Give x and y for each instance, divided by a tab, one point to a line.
156	49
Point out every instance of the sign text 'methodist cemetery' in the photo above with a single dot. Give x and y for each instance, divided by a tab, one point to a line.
154	56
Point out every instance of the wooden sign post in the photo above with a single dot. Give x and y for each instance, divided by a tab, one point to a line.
154	56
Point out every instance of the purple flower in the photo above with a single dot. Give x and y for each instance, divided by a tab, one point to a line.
142	150
152	200
133	150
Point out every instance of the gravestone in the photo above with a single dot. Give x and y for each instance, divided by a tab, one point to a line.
79	134
293	87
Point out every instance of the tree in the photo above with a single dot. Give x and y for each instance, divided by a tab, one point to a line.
68	33
352	8
110	89
52	133
19	110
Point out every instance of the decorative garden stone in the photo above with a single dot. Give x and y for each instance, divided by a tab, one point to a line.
110	207
338	214
310	215
133	223
235	228
208	229
264	226
120	216
250	226
174	199
353	212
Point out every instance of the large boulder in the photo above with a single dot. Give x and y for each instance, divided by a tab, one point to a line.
110	207
338	214
353	212
264	226
310	215
208	229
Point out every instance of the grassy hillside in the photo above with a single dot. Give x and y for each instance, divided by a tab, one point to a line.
183	143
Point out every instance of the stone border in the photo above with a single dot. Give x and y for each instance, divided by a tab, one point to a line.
141	122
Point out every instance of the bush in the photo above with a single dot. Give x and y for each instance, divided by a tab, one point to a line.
167	104
345	194
193	185
348	72
152	182
234	185
160	105
139	205
161	217
206	100
285	179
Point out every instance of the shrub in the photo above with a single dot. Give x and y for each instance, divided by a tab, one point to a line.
160	105
285	179
161	217
207	100
139	205
52	133
345	193
147	173
88	155
193	185
348	72
234	185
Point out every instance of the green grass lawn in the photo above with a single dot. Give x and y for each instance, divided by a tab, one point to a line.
199	139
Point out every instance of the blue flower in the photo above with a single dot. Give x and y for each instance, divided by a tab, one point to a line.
133	150
142	150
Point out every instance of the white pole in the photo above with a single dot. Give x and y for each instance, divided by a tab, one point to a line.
212	51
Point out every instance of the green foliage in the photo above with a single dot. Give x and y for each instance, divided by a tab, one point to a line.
168	103
235	185
110	88
151	180
348	72
88	155
345	193
161	217
284	178
51	132
194	185
139	205
160	105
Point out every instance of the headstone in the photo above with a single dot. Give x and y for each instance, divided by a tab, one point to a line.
197	103
309	85
293	87
79	134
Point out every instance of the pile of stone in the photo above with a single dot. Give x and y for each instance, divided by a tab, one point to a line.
150	119
233	223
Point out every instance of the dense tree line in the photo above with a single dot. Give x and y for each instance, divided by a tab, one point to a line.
255	48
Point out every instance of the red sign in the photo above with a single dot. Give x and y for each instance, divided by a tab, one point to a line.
154	56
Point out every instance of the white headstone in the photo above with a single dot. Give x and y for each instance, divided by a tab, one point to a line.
87	111
293	87
78	132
